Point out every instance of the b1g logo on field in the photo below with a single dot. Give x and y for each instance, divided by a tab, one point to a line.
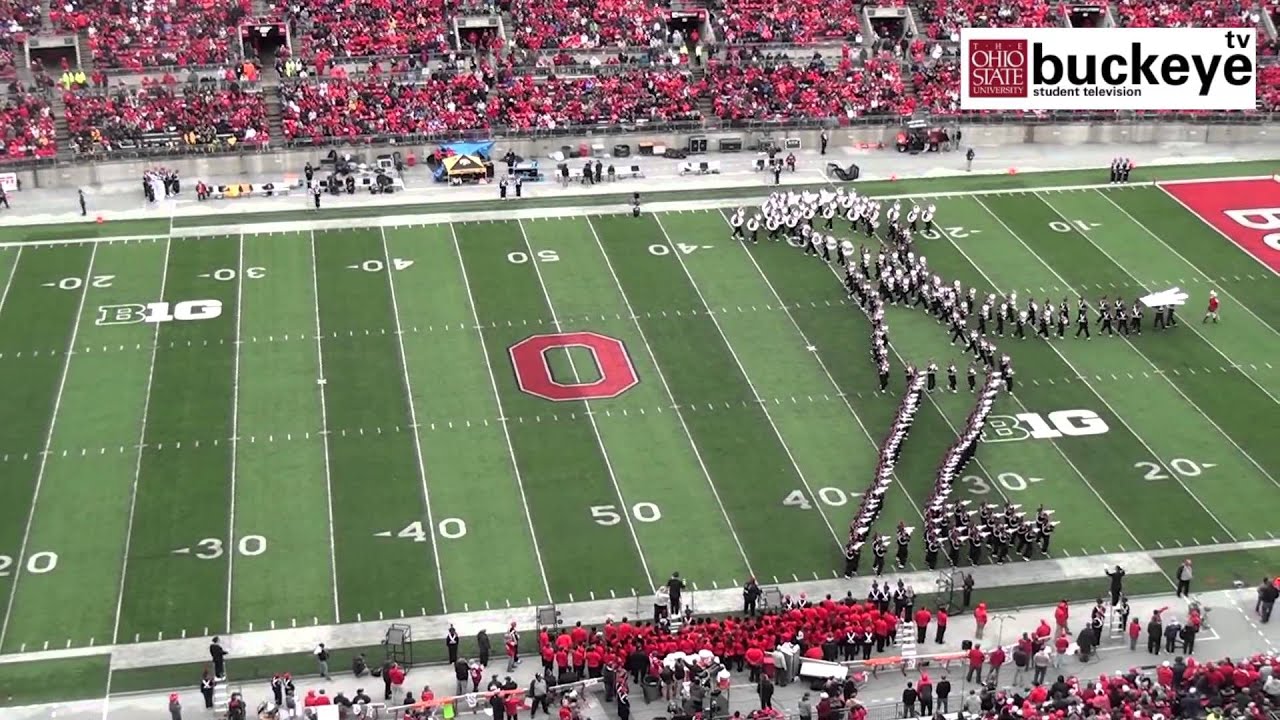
533	371
1034	426
1035	69
158	312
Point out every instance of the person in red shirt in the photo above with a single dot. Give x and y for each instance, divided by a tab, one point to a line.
1212	312
580	662
942	626
548	653
923	617
976	658
1135	629
579	634
1060	616
994	661
980	620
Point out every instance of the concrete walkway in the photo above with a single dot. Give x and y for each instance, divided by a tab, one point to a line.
1232	630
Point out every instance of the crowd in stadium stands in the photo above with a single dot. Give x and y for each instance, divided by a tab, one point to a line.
943	19
17	19
26	127
937	86
146	34
546	24
346	107
361	28
200	117
788	21
1269	88
799	89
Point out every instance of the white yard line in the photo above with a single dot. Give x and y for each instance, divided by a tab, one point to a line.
830	378
1118	416
324	429
1205	220
20	562
142	444
1169	380
506	432
817	502
1083	478
1190	264
625	509
389	269
13	270
671	396
235	430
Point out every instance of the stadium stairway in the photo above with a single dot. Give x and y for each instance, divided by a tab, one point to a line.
261	9
85	55
275	126
44	14
62	134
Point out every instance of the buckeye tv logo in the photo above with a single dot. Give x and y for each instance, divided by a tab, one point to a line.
1033	69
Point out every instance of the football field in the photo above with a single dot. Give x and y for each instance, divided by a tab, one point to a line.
315	424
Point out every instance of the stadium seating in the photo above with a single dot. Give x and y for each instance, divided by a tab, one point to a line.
545	24
363	28
789	89
352	108
18	18
193	118
943	19
788	21
142	34
26	128
617	58
1269	88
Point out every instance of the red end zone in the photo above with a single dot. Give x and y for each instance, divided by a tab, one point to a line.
1246	212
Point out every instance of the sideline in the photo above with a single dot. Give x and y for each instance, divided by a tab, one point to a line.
750	196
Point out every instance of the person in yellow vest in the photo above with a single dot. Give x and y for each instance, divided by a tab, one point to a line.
80	78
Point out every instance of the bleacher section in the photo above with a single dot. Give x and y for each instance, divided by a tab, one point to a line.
544	65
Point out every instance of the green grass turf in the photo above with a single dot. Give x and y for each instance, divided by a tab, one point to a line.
45	681
419	464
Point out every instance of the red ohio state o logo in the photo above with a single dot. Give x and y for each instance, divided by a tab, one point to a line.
533	372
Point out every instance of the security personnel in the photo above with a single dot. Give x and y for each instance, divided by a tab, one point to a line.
951	376
878	549
852	558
